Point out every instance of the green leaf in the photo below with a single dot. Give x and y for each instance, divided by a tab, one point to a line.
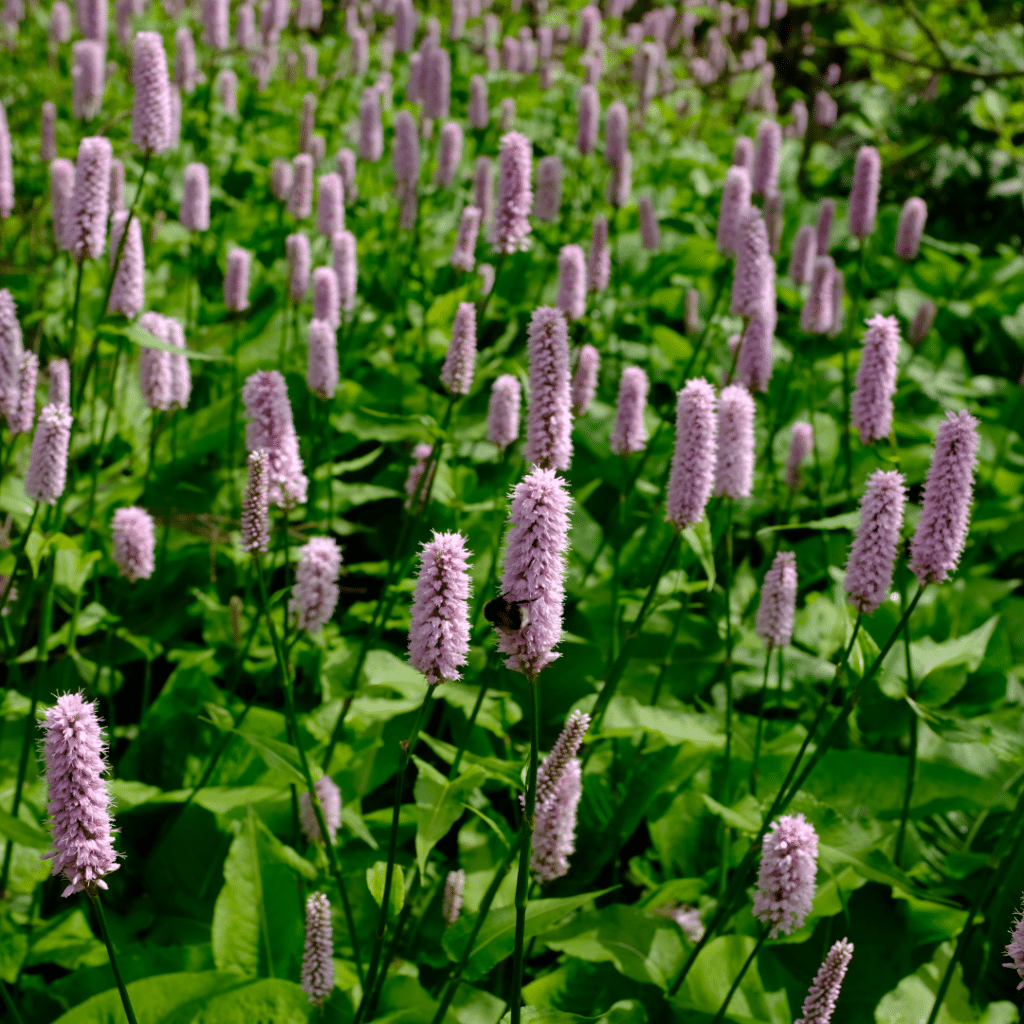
140	336
73	567
440	802
744	815
497	935
929	659
376	878
219	717
699	539
508	773
66	940
354	821
282	757
24	833
643	947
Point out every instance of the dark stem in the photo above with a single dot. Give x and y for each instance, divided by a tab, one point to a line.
18	557
9	1003
760	719
728	651
739	977
94	899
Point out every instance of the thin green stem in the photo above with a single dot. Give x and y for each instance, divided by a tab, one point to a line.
314	796
912	759
407	748
19	555
38	677
469	725
94	899
719	291
739	977
515	996
760	719
403	919
9	1003
728	651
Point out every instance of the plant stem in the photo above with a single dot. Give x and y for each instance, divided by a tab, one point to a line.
9	1003
739	977
666	662
912	759
18	556
94	899
408	746
494	287
42	657
515	996
604	698
314	796
760	718
719	291
403	919
728	651
469	726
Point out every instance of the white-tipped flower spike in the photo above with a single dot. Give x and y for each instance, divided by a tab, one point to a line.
548	201
734	468
318	954
48	464
314	598
300	197
786	877
330	205
821	998
326	300
460	361
630	434
549	420
515	196
195	202
90	205
78	795
451	905
62	188
236	280
503	411
48	131
89	78
134	543
439	629
255	523
296	248
693	461
155	376
151	114
777	609
322	360
464	252
343	252
572	282
801	445
128	292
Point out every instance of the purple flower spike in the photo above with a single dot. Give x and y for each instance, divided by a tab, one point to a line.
90	204
371	131
483	188
48	463
464	253
134	543
801	445
151	114
621	184
439	631
281	179
765	176
296	248
908	234
584	381
693	461
821	998
236	280
754	362
60	383
616	133
548	201
346	163
450	154
318	954
330	803
266	402
823	228
786	877
515	197
630	434
256	504
753	288
734	469
79	819
479	113
326	298
743	152
451	904
155	375
28	375
549	423
330	205
315	594
873	552
590	113
801	264
300	197
128	292
322	360
1015	949
599	259
343	251
460	361
533	579
503	411
922	323
62	188
777	609
195	204
650	231
871	405
572	282
816	316
942	528
867	177
420	454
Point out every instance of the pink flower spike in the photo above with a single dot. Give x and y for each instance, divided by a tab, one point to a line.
801	445
801	264
599	259
151	114
76	764
590	113
693	461
322	360
330	205
821	998
439	632
875	540
503	411
343	251
734	469
549	423
255	523
460	360
515	195
823	228
765	176
777	609
326	298
296	248
572	282
786	877
265	395
911	226
315	594
464	253
816	315
630	434
318	954
330	803
548	201
754	362
948	491
753	288
128	292
584	381
48	462
867	177
134	543
1015	949
922	323
90	205
533	578
451	904
871	405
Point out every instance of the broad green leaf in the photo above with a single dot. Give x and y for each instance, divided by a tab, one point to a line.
66	940
508	773
24	833
282	757
219	716
355	824
699	539
930	662
675	725
745	815
376	879
643	947
73	567
143	338
440	804
497	935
